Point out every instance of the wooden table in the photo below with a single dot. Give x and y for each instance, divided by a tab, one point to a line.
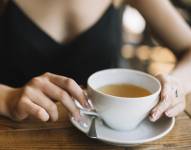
33	134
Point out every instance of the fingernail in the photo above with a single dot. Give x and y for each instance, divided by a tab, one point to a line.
168	114
88	106
44	115
86	95
155	115
151	119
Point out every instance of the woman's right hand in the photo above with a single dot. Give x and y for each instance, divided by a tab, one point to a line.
37	98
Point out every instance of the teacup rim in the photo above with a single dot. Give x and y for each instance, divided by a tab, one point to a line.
125	98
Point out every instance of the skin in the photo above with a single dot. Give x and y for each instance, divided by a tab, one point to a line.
170	27
37	98
64	20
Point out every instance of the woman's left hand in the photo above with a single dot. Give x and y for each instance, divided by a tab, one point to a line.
172	98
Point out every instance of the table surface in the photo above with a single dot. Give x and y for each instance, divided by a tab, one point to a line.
33	134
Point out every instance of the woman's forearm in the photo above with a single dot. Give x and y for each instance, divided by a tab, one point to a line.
183	71
4	96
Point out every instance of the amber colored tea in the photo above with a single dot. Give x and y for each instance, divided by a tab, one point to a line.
124	90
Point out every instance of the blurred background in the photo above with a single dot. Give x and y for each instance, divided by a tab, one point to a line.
140	49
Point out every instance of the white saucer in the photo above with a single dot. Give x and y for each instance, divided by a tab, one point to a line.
145	132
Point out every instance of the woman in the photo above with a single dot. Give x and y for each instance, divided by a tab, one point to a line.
74	39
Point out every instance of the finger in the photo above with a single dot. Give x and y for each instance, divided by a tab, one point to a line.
35	110
169	100
165	88
174	111
42	100
71	87
165	100
163	105
55	92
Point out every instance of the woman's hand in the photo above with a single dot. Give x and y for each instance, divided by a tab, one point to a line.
172	98
38	96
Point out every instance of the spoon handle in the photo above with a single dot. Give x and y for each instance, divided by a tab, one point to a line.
90	113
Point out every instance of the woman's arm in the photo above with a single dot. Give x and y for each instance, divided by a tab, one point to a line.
37	98
5	92
165	22
170	28
183	71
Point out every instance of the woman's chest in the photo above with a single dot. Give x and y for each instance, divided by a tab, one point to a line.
64	20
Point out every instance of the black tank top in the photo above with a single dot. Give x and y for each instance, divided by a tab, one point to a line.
26	51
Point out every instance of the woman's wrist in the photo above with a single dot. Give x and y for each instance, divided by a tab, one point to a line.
6	94
183	71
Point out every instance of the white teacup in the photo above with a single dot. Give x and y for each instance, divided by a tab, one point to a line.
121	113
